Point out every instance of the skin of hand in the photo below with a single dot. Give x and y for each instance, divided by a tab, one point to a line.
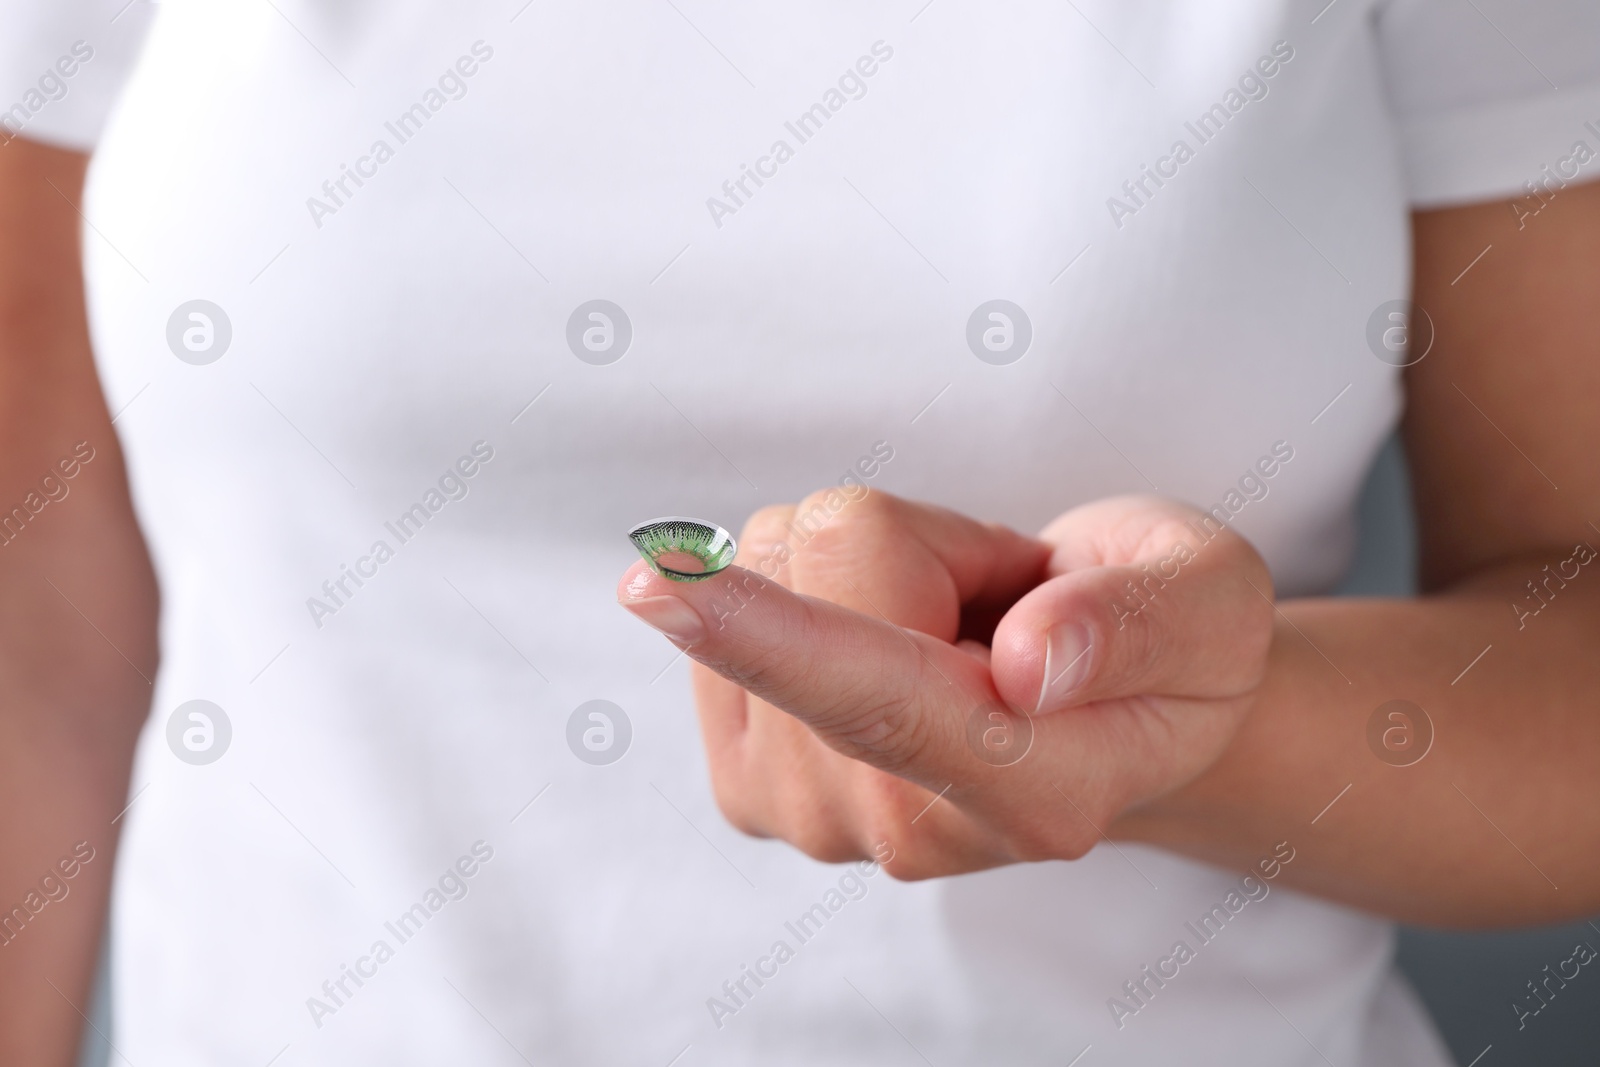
1227	723
845	702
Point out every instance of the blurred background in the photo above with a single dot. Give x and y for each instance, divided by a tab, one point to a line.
1468	981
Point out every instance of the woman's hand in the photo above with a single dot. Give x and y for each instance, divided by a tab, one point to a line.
864	695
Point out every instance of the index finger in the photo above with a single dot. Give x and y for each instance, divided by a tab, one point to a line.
888	696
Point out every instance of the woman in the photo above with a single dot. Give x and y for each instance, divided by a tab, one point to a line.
406	314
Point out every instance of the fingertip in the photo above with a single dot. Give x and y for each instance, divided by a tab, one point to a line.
1045	648
699	612
1069	663
641	581
1017	659
680	611
635	582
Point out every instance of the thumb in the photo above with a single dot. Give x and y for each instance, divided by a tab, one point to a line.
1102	633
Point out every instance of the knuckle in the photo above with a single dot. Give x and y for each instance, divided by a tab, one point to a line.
831	517
766	527
1034	834
921	859
1028	846
767	518
912	859
821	840
874	508
836	536
821	511
1064	827
764	545
736	808
1079	831
890	805
1037	842
910	866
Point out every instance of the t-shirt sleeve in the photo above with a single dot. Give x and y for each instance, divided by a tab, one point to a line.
62	65
1487	93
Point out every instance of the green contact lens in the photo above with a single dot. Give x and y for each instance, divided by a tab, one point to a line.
685	550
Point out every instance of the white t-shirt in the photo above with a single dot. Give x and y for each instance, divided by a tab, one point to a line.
1193	212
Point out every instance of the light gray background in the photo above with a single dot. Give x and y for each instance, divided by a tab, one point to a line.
1468	981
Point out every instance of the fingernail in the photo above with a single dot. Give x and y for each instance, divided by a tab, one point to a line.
1066	663
674	618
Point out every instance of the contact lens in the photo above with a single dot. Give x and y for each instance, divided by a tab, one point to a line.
685	550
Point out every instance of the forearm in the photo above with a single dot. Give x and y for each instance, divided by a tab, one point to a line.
1496	824
77	618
